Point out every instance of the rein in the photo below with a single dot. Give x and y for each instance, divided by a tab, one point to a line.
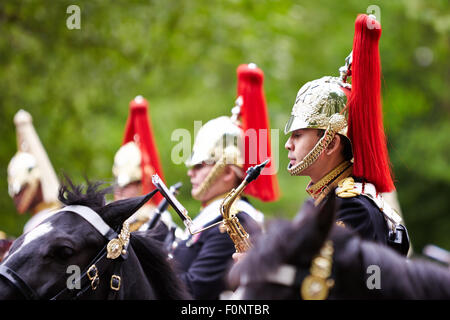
115	251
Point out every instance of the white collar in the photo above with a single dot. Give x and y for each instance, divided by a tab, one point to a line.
208	214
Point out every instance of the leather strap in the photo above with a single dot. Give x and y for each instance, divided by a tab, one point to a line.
93	218
18	283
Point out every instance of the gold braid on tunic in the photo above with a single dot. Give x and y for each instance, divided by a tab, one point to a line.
319	190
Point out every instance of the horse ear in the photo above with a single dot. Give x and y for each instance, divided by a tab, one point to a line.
115	213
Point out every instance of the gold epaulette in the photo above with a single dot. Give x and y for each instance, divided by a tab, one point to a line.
346	188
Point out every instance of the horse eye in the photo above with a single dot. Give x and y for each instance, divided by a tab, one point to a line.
64	252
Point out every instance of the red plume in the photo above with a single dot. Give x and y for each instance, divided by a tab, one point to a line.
255	124
365	120
139	130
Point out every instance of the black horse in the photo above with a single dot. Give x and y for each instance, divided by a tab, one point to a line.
314	258
42	263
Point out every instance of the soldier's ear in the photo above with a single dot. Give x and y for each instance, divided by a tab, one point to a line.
229	174
334	145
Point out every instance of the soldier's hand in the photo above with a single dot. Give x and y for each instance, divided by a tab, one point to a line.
238	256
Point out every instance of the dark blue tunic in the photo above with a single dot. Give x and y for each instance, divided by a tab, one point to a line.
203	259
363	215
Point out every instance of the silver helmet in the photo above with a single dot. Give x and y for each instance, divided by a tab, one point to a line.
320	104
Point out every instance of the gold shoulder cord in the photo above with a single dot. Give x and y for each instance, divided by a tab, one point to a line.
317	285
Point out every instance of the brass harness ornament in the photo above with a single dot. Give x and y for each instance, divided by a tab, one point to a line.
114	249
317	284
118	246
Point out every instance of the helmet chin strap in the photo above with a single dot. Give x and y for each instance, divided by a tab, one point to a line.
215	172
314	154
229	156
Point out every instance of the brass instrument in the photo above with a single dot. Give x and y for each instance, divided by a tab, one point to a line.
231	222
234	228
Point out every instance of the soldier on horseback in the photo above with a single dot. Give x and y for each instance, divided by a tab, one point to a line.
337	139
217	165
134	164
32	181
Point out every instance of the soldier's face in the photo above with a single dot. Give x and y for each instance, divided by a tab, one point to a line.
132	189
28	197
300	143
198	173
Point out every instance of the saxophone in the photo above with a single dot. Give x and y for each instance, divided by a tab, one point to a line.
231	222
234	228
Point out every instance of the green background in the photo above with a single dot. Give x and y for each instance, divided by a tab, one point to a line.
182	57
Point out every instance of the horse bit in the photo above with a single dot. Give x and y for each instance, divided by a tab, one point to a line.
115	248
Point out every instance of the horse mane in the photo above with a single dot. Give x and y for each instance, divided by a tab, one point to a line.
166	284
88	195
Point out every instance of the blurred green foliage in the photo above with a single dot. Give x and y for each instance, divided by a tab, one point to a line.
182	57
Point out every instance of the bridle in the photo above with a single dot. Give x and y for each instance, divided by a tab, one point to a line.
115	251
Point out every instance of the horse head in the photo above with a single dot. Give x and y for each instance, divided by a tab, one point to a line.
69	255
284	254
314	258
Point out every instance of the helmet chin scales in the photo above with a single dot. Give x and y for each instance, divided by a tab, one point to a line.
313	155
229	156
336	123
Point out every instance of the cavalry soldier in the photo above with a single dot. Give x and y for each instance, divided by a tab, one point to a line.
5	244
32	182
337	139
134	164
218	164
